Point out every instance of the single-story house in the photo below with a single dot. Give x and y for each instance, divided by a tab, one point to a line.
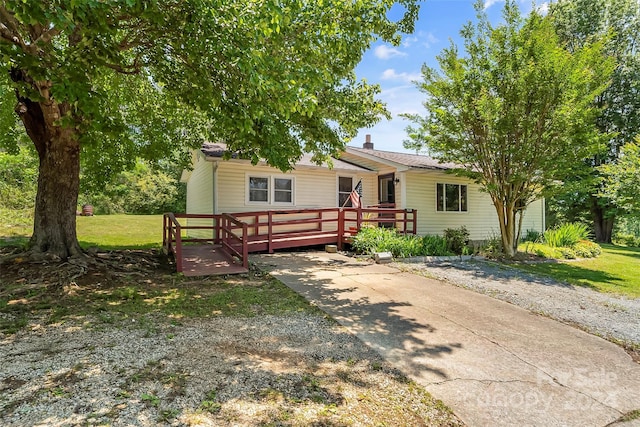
409	181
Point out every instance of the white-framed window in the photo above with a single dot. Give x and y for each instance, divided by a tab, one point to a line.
270	189
345	186
451	197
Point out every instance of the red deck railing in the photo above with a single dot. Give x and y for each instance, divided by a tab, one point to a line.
223	232
244	232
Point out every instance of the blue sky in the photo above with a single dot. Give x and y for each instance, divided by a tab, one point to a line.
395	67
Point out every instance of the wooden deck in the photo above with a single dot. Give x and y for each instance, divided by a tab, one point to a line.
209	260
234	236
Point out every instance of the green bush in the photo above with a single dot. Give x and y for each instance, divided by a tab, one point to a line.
587	249
542	250
143	191
492	246
582	249
434	246
566	235
18	179
532	236
627	240
378	239
457	239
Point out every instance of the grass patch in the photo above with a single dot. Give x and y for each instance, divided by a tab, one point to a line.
140	301
614	271
109	232
112	232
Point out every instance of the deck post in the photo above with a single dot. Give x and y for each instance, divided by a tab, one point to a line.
245	245
216	230
178	251
415	221
164	233
358	218
340	228
270	231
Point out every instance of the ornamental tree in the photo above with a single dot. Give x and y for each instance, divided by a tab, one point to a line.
112	81
515	110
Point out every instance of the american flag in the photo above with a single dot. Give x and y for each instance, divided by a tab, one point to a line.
356	194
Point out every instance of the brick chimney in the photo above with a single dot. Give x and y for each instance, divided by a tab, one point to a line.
367	142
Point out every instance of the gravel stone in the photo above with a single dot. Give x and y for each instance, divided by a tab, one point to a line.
218	371
610	316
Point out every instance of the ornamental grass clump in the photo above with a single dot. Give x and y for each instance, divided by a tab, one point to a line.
566	235
568	241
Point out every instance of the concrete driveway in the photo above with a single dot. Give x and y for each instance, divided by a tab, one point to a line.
491	362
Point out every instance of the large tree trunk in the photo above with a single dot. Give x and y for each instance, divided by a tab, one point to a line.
54	228
602	222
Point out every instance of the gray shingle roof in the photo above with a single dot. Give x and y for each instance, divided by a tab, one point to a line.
417	161
217	149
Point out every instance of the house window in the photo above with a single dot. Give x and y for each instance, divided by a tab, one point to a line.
345	186
270	190
283	190
258	189
451	198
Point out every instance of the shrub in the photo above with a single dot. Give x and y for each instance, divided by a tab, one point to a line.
567	253
542	250
587	249
532	236
434	246
492	246
457	239
566	235
377	239
18	179
627	240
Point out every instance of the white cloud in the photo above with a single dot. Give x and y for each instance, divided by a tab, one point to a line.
408	41
525	5
386	52
391	74
543	8
429	40
489	3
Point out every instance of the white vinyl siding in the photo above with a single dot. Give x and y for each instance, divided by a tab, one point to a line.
200	195
311	187
482	220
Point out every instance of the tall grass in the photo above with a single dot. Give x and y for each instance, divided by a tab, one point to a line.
566	235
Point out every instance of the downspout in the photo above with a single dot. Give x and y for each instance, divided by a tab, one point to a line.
544	214
214	199
214	190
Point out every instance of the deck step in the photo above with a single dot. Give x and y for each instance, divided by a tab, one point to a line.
209	260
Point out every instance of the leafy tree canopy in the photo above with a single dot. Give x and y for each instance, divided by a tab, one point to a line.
578	22
514	111
120	79
622	178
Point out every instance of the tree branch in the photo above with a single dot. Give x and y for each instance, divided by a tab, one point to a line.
9	29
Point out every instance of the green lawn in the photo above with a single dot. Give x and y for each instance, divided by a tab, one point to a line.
616	270
109	232
120	231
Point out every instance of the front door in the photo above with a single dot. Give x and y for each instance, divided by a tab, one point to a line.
386	190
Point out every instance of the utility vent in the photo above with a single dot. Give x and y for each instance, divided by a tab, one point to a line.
367	142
